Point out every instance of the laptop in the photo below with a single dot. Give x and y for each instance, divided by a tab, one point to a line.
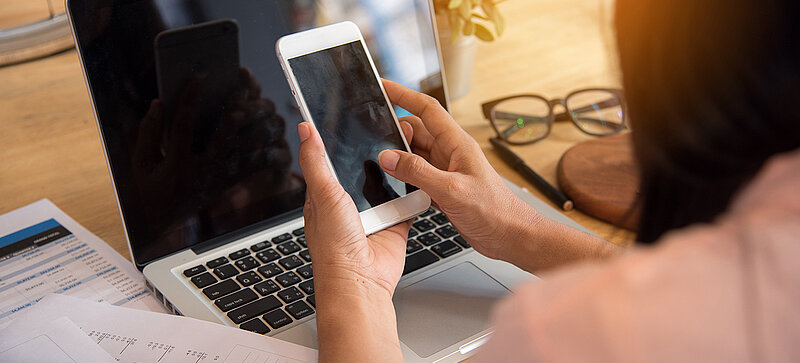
197	123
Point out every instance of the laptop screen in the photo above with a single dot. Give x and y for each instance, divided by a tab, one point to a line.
196	116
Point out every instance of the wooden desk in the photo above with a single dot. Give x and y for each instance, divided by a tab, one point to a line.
51	148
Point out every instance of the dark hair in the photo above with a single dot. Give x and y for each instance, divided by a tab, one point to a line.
714	90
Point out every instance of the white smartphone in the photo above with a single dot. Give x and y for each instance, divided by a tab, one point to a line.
338	90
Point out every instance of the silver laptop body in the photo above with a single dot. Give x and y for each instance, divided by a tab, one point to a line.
442	309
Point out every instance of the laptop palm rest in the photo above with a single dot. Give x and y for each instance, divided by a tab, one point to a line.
445	308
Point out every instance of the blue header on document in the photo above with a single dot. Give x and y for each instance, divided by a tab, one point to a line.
31	237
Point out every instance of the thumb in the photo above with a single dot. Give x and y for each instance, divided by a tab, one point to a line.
415	170
318	176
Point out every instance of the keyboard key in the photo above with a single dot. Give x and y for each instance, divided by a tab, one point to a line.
282	238
239	254
299	232
428	239
248	278
277	318
462	242
307	287
226	271
428	212
423	225
412	246
446	249
255	326
419	260
305	255
440	219
291	294
290	262
312	300
446	231
269	270
268	256
235	300
301	241
305	272
189	272
247	263
299	310
203	280
267	287
412	232
288	248
259	246
288	279
254	309
217	262
221	289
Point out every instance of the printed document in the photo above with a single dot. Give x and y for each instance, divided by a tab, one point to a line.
54	341
42	251
130	335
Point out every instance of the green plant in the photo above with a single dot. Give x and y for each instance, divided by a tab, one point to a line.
472	17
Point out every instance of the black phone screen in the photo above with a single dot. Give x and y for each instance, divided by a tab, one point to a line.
349	109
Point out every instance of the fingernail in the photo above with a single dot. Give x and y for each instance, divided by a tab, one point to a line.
303	131
388	159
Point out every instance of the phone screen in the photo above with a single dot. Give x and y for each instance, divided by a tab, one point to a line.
348	108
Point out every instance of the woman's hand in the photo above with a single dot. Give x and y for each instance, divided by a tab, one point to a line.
354	275
450	166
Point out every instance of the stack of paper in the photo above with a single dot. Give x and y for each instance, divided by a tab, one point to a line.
65	297
128	335
43	251
54	341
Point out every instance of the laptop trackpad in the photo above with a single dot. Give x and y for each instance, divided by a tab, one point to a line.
445	308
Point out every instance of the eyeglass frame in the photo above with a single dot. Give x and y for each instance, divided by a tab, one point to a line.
552	118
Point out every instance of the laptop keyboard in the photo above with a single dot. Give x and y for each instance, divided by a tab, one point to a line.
271	284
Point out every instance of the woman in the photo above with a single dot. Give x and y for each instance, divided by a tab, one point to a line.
712	89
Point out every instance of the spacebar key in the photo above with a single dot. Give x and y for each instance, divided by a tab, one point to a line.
419	260
254	309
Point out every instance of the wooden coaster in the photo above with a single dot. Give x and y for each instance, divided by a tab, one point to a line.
601	178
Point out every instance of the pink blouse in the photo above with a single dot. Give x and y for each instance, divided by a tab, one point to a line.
724	292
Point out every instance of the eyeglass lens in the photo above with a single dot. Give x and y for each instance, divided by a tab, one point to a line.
522	119
596	112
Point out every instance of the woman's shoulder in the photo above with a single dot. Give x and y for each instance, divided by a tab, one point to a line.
722	291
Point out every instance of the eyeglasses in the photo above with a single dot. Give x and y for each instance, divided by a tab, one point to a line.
525	119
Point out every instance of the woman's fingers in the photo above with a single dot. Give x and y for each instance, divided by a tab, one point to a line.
415	170
433	115
408	130
409	133
422	138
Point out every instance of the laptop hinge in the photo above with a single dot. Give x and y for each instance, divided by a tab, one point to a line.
246	231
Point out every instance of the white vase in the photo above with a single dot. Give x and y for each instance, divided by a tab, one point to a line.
458	58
